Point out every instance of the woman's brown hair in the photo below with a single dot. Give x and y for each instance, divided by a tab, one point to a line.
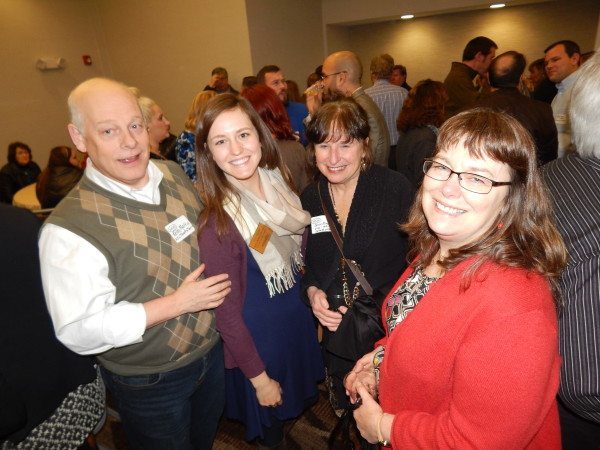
423	106
339	119
60	156
213	186
524	234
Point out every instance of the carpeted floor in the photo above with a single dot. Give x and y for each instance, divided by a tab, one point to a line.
310	431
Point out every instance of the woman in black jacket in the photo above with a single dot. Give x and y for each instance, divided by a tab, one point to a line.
20	171
366	203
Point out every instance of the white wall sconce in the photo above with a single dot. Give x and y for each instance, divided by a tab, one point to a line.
50	63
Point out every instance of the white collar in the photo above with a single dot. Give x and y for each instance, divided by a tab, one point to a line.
381	81
567	82
149	193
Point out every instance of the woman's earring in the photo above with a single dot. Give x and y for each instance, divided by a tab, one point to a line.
363	164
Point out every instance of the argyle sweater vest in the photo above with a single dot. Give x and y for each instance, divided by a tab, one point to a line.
144	263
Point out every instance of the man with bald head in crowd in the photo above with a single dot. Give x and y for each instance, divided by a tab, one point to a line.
466	82
122	277
505	73
342	73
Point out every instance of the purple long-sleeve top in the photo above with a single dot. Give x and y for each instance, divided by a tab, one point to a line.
228	254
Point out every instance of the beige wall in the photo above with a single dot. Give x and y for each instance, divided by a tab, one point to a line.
428	45
338	38
288	34
597	44
32	103
167	49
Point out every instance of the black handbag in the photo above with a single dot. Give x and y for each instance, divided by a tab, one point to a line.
359	329
361	324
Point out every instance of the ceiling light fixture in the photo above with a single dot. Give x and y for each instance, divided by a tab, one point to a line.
407	16
497	5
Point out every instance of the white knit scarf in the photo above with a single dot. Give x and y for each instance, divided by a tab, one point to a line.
282	212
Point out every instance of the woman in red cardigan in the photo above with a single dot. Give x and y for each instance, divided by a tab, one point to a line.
470	357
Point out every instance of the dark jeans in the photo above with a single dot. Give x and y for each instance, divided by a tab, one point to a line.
577	432
176	410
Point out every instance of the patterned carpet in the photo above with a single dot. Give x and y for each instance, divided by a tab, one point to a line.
308	432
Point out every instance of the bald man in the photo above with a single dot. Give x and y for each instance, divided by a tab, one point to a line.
121	269
505	73
342	73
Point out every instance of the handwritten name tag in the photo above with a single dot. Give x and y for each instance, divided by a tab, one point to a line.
318	224
180	228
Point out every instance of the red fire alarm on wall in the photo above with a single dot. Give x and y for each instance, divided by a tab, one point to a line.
87	60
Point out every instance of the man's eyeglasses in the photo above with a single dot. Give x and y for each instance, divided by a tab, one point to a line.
469	181
323	77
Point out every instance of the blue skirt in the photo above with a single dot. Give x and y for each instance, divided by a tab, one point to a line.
285	336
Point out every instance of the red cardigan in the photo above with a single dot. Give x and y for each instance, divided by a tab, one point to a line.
475	369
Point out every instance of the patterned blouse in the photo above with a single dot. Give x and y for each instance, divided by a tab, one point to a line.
185	149
406	297
402	301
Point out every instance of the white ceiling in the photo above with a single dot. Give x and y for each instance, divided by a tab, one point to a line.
351	12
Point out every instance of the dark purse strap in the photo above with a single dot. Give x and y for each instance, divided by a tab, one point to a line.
338	240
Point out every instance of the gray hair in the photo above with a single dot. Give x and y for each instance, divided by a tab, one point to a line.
76	116
145	104
585	109
381	66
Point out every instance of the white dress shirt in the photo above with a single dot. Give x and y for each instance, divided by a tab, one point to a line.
79	294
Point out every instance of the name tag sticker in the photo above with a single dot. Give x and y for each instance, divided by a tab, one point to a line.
318	224
180	228
261	237
560	118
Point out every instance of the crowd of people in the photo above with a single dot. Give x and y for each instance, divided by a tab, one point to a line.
443	237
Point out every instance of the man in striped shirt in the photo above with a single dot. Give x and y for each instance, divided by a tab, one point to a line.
388	97
574	183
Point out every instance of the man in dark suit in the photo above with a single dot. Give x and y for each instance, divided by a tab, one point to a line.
505	73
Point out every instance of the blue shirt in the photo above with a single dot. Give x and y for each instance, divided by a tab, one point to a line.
560	109
297	112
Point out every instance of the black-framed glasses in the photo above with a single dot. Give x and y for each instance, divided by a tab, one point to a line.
323	77
470	181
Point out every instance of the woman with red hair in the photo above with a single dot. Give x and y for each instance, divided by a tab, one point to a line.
271	111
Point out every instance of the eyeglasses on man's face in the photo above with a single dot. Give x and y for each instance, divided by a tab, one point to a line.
324	76
470	181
